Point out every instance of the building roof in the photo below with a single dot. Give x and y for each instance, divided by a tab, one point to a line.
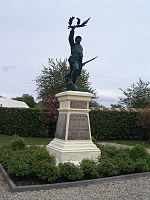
10	103
121	109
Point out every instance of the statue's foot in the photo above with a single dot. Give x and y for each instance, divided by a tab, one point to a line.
71	87
82	89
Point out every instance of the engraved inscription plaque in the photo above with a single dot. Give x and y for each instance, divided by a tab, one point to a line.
78	127
78	104
61	126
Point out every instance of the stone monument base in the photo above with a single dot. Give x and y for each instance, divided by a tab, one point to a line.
73	134
73	151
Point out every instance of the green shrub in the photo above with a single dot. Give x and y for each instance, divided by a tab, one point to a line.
42	154
122	153
125	166
107	151
141	165
5	155
117	125
113	152
20	163
115	161
89	168
70	172
138	151
18	143
24	122
107	167
47	171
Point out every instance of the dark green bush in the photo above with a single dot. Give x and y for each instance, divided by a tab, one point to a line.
18	143
42	154
5	155
20	163
113	152
138	151
141	165
89	168
107	167
24	122
117	125
47	171
36	161
125	166
70	172
108	151
119	159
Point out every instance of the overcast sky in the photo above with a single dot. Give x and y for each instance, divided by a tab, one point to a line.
31	31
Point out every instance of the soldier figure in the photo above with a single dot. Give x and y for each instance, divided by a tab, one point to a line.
76	57
75	60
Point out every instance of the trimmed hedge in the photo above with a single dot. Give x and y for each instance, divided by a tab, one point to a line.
104	124
23	122
117	125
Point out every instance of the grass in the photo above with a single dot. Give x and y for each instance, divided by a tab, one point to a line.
129	142
5	139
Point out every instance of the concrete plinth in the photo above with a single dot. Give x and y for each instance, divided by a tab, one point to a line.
73	134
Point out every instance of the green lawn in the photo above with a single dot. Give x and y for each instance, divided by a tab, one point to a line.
129	142
5	139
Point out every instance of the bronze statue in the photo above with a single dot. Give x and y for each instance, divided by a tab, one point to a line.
76	57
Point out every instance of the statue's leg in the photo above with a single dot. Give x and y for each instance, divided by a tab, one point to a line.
75	71
70	74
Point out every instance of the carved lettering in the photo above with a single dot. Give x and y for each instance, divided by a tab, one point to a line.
78	127
61	126
78	104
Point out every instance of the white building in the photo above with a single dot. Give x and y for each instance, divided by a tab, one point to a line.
10	103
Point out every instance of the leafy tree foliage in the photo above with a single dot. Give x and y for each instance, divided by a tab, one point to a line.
137	95
52	79
40	105
116	105
52	104
28	99
94	103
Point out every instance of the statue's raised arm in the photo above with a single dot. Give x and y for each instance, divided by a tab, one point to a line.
71	37
78	25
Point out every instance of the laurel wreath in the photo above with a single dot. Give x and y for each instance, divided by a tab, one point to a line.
79	24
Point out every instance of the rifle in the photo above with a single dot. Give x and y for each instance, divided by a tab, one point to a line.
88	61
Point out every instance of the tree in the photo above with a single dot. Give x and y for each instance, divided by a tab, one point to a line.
52	79
137	96
116	105
40	105
94	103
28	99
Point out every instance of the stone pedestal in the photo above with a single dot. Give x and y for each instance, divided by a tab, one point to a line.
73	135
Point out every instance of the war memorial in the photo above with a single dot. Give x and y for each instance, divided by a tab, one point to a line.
72	140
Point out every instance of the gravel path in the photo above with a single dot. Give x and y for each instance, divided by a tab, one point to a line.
118	145
133	189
